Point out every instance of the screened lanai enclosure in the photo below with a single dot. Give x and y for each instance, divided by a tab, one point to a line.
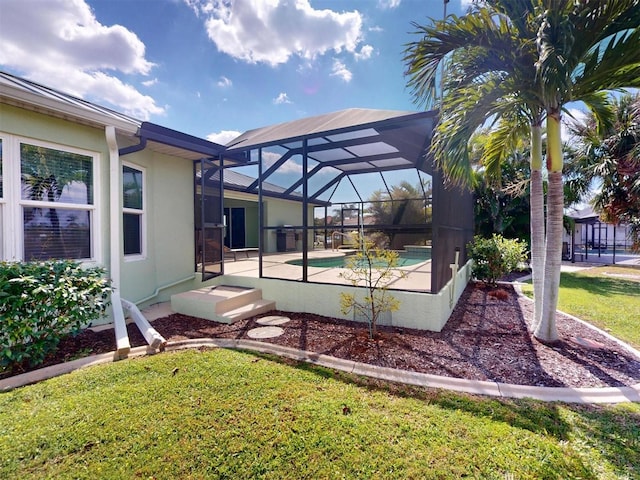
284	201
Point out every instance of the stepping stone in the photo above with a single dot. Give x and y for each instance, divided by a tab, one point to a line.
265	332
273	320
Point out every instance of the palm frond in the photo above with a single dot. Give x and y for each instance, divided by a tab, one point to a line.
481	32
501	142
597	21
613	66
600	105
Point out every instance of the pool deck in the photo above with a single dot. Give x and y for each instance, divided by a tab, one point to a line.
417	279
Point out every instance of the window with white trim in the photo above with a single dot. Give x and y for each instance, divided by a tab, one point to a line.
48	201
2	229
133	212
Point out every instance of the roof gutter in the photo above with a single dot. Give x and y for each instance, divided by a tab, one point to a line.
134	148
54	105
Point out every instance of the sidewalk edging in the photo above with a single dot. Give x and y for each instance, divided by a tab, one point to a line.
478	387
518	288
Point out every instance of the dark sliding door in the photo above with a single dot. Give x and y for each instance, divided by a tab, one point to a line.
235	233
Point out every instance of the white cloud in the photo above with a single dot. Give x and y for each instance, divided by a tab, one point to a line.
365	53
376	29
339	69
224	82
223	137
150	83
61	44
465	4
259	31
384	4
289	166
282	98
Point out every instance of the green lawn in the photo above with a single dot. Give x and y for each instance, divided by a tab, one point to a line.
608	297
226	414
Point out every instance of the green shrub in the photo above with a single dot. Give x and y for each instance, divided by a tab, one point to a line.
495	257
41	302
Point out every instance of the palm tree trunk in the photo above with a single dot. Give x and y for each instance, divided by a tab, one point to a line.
537	223
546	330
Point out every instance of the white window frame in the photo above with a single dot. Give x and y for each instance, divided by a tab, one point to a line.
12	203
142	213
4	231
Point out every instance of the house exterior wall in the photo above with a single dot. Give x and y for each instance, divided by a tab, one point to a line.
29	125
283	212
169	253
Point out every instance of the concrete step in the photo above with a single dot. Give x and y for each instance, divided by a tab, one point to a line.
221	303
249	310
237	297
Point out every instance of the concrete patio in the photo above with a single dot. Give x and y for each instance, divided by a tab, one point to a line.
417	279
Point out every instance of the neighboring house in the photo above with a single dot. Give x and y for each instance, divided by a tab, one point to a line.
595	240
84	182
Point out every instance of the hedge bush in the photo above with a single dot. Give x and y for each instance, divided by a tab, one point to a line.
41	302
495	257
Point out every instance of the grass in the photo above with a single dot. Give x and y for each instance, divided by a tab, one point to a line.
226	414
608	297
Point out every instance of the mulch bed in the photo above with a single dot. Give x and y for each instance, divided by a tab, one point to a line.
486	338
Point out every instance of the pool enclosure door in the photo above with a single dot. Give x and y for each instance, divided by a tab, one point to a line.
209	219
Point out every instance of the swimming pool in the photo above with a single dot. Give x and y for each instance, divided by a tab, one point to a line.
404	260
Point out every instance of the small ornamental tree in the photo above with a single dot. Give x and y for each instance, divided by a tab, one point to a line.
495	257
42	302
373	269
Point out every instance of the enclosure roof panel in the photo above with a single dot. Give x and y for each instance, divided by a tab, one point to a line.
352	141
332	126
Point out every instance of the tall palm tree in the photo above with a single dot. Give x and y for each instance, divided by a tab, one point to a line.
585	49
490	77
494	73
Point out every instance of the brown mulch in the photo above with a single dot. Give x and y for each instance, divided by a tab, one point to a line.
486	338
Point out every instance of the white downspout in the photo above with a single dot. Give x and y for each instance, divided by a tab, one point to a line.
122	338
114	206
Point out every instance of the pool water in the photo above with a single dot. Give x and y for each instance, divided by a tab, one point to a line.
341	262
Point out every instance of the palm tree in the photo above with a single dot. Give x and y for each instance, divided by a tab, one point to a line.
490	56
496	74
502	207
403	204
611	158
585	49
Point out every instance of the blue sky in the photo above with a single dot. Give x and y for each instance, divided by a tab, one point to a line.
215	68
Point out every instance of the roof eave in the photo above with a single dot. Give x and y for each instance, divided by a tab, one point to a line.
19	97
